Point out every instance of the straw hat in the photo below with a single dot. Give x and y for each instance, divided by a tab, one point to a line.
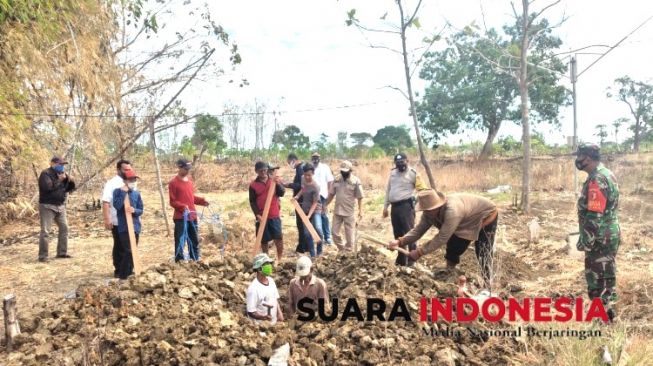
429	199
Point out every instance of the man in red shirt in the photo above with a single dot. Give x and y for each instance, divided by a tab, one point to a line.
182	199
258	193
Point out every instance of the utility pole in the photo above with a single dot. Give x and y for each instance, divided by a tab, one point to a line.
575	138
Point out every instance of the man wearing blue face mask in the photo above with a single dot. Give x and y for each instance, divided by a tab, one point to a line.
54	186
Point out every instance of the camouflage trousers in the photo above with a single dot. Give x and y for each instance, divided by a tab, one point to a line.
601	275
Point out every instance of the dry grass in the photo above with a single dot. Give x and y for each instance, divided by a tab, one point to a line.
627	346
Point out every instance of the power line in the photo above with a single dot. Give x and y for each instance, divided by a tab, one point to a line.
274	112
615	46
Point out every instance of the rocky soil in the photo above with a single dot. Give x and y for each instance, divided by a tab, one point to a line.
193	314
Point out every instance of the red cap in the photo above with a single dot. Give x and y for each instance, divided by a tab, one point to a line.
130	174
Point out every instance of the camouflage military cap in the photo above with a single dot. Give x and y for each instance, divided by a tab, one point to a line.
593	151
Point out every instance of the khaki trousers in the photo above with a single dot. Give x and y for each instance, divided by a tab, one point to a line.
350	223
46	217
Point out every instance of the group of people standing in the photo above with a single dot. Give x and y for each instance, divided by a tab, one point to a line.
460	219
314	188
182	200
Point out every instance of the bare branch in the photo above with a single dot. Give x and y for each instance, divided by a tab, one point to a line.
480	3
397	89
412	17
374	30
178	123
385	48
421	57
145	126
530	22
175	77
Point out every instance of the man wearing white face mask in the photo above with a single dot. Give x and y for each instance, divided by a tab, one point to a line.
126	265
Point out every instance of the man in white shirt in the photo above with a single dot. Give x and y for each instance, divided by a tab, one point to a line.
262	294
109	212
324	178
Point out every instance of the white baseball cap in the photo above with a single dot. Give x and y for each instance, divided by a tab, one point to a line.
303	266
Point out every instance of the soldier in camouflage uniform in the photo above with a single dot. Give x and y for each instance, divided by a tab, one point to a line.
598	226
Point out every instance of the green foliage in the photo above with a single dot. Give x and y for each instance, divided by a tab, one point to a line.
466	90
601	133
341	141
291	138
186	147
392	139
360	138
208	135
638	96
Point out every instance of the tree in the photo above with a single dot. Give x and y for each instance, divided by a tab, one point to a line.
291	138
392	139
186	147
601	133
530	44
257	116
321	143
638	96
208	136
466	91
360	138
617	124
405	21
233	124
341	142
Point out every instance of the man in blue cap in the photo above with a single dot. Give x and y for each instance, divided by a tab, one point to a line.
54	186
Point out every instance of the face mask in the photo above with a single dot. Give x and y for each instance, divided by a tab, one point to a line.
266	269
401	167
132	185
579	164
345	175
58	168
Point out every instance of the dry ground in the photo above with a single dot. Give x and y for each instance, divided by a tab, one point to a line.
542	269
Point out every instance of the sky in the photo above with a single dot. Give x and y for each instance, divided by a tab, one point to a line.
301	59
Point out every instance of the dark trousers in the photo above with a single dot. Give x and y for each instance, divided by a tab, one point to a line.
116	252
402	215
457	246
326	229
193	239
301	240
126	265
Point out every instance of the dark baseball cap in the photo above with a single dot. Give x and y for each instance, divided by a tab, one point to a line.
593	151
400	157
58	160
184	164
260	165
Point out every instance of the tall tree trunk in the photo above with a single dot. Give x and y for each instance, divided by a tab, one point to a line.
526	130
159	182
491	135
636	137
413	111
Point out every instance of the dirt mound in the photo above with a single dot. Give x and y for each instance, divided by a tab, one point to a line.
193	314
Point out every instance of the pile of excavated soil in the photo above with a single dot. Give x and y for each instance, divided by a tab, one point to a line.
193	314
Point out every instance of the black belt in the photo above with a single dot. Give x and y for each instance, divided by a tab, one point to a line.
408	200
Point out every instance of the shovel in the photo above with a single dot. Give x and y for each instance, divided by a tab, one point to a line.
381	242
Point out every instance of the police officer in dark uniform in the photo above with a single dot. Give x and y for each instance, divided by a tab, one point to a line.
402	183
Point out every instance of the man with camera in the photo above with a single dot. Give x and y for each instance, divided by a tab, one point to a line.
54	186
